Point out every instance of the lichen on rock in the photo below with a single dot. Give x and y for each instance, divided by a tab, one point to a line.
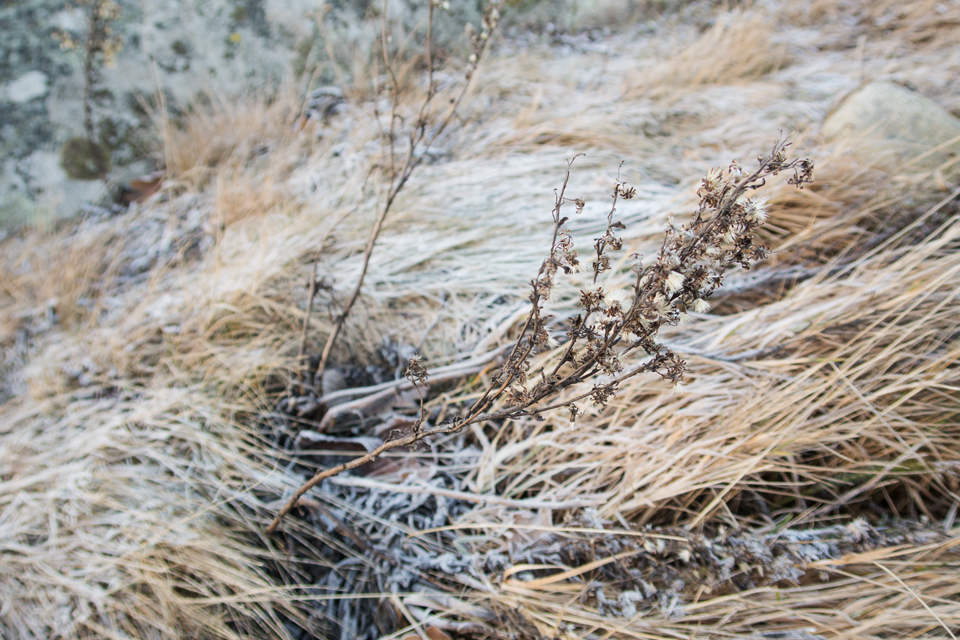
84	159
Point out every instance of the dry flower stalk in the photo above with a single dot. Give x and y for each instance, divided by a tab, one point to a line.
99	47
688	268
397	168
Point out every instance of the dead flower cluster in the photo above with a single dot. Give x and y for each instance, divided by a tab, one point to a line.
613	323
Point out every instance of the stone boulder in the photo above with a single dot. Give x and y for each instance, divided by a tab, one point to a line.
892	126
185	48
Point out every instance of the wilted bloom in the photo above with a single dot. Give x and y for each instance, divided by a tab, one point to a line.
669	258
674	281
701	306
619	297
735	170
663	305
591	298
712	180
626	192
729	236
415	372
755	210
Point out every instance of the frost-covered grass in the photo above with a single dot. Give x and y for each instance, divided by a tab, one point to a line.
805	482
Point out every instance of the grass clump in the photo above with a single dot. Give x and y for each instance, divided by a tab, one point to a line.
804	483
737	47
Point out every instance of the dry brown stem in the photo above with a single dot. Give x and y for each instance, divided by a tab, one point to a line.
688	268
397	178
301	351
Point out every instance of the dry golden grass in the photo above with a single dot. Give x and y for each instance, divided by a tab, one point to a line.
218	131
813	224
141	544
132	504
921	23
58	271
736	48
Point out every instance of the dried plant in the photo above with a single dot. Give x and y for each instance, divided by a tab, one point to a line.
832	396
99	47
679	279
399	164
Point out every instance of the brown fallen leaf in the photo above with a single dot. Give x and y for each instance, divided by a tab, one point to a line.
435	633
142	188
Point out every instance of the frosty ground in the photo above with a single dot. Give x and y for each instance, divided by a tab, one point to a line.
804	485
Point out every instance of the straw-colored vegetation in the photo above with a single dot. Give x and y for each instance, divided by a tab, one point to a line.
737	47
804	485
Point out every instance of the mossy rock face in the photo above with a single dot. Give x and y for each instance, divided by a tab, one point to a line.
83	159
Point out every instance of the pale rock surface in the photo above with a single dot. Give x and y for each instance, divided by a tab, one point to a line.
32	84
890	124
183	47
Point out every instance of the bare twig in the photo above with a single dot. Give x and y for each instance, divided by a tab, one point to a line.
306	323
397	178
688	268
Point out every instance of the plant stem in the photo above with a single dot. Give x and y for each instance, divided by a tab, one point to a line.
397	179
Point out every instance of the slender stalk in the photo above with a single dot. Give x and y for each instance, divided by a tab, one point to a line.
397	179
301	352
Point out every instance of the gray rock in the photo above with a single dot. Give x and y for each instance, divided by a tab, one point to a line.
32	84
892	125
183	47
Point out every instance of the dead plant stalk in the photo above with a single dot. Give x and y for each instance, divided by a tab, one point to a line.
687	269
419	136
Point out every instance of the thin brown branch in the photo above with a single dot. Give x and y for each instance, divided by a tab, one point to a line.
397	182
689	267
301	352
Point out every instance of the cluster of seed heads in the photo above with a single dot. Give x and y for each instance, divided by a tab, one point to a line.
612	323
478	40
668	287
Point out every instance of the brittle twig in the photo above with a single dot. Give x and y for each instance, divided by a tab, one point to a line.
687	269
397	178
